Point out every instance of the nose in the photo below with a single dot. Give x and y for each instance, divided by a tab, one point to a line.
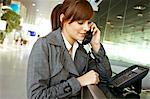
86	27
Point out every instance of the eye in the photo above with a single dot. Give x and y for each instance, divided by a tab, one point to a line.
80	22
89	22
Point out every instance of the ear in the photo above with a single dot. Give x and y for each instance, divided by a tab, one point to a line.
62	16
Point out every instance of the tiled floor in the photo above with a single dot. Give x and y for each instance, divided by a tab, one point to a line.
13	65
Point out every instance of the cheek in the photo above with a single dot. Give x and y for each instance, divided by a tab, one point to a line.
75	26
74	30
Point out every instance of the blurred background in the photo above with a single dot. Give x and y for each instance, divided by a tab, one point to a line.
125	34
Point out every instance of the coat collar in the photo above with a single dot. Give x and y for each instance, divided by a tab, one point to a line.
56	38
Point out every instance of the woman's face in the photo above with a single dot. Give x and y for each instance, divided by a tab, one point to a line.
75	30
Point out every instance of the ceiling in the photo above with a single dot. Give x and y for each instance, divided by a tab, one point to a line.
39	8
127	13
43	8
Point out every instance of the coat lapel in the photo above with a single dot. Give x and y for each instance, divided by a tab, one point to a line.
55	38
81	60
69	64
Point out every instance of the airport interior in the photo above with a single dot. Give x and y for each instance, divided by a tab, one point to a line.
125	34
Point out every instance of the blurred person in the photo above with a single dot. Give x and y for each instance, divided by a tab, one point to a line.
59	67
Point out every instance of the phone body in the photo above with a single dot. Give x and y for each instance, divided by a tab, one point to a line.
87	38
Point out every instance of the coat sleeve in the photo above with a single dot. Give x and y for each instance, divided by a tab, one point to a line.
101	64
38	76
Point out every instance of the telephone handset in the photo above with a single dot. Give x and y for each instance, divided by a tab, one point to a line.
87	38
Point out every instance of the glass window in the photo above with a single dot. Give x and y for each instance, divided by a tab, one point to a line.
125	27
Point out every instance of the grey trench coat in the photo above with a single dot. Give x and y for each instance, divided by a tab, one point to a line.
51	73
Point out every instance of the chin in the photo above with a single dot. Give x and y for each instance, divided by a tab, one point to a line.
81	39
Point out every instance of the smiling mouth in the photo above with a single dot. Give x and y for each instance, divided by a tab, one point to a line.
83	34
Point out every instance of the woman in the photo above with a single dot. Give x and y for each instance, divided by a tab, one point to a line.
59	66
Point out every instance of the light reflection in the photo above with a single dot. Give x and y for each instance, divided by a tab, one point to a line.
128	52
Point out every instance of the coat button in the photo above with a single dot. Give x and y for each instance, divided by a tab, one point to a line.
67	89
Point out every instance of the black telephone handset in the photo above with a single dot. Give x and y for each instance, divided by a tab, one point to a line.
87	38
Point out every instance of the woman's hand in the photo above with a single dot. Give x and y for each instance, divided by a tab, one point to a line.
90	77
95	42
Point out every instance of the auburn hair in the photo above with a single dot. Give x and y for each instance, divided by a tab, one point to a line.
55	17
74	10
